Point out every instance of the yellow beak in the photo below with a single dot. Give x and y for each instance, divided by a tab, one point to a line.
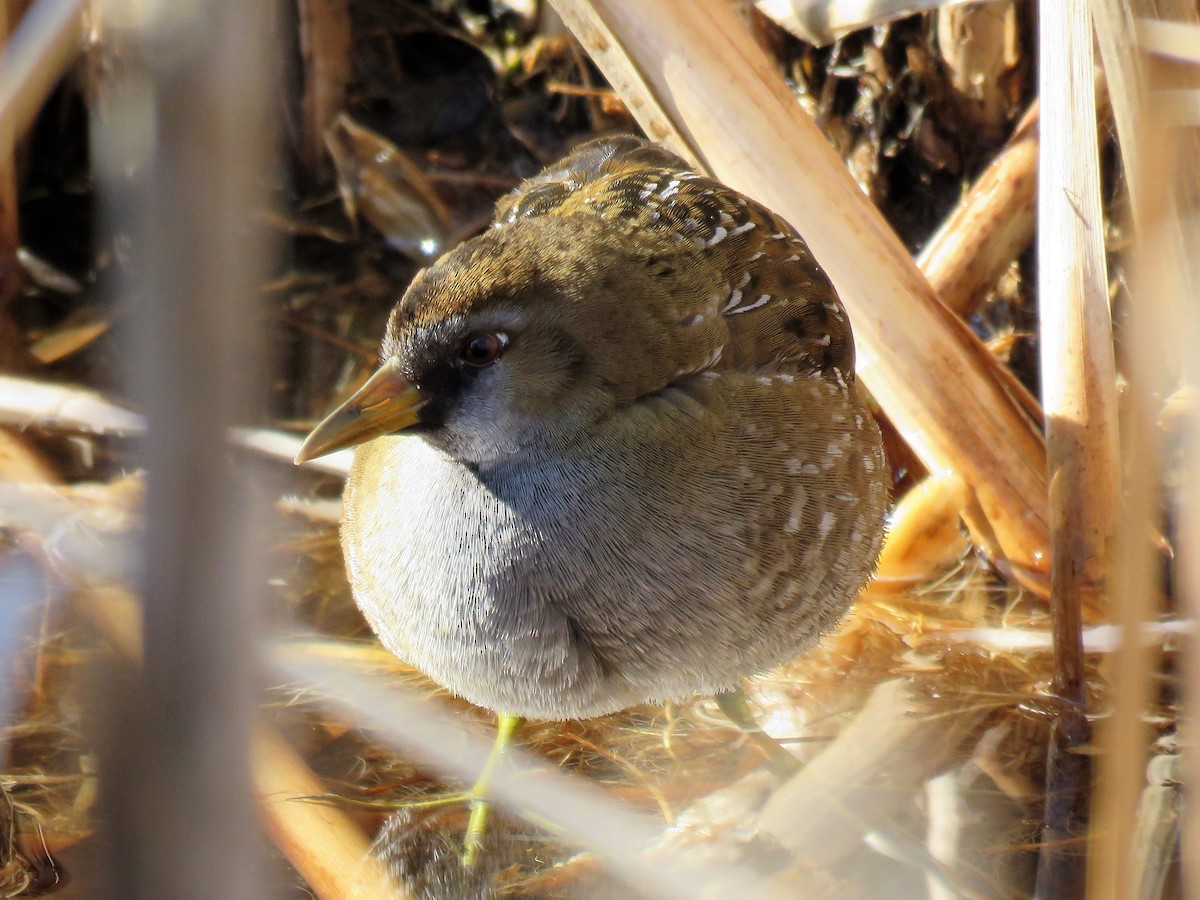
388	402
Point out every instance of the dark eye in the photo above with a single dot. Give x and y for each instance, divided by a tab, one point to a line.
484	349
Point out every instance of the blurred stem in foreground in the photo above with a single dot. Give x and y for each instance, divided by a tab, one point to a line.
180	141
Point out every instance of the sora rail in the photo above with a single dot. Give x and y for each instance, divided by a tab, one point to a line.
615	452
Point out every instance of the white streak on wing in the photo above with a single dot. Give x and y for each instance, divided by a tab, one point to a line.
755	305
826	524
796	517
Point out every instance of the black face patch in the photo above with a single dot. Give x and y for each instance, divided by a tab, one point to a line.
442	383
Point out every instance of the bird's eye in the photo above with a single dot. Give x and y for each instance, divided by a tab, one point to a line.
484	349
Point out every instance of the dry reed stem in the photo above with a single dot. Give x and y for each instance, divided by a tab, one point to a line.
10	237
180	147
1161	167
924	534
1079	395
283	447
38	52
991	226
1174	39
1133	596
65	341
1077	364
325	46
1015	641
1189	571
327	848
888	743
633	84
695	79
21	463
1124	72
26	403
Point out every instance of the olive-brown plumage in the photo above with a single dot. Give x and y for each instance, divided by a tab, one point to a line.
616	452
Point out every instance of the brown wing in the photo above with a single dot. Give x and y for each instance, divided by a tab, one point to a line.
782	311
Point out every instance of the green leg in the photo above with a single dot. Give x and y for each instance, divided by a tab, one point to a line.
737	710
506	727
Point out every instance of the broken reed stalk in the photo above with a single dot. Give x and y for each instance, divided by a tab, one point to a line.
696	81
994	222
326	847
990	227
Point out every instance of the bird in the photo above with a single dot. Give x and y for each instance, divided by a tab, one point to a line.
615	451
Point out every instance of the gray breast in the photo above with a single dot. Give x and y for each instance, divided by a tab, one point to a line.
686	543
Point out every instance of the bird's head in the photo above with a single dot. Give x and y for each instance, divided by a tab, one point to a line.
531	333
